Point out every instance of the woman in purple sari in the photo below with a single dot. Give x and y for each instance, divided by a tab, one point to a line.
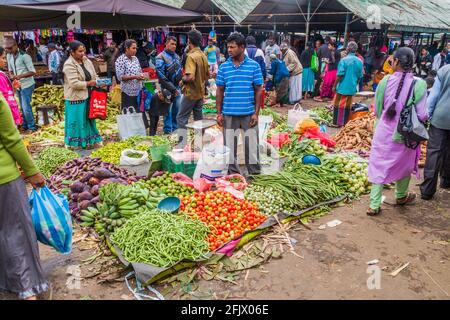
390	159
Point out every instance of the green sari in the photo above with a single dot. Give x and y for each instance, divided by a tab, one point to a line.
80	131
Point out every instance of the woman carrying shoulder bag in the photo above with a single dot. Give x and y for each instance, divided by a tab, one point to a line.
390	159
79	78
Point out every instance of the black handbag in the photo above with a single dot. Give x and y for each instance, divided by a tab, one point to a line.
409	126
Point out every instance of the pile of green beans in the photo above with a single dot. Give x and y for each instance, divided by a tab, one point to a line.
304	186
52	158
161	239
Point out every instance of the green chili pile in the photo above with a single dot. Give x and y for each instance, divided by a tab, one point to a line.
161	239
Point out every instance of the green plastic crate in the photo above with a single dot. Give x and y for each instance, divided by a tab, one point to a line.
187	168
157	153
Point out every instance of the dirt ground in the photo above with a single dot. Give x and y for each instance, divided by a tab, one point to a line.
329	263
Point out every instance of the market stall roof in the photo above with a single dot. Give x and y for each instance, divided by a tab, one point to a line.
115	14
405	15
401	15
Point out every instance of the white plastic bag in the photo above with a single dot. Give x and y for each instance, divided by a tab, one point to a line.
297	114
130	124
125	160
213	135
213	162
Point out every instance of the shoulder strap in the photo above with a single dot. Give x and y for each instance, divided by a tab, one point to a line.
411	94
379	97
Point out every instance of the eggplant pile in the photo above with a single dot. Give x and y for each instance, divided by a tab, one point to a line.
85	176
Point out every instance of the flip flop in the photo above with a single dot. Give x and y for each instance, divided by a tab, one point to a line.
372	213
410	198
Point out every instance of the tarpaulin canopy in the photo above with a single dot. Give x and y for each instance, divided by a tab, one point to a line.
114	14
405	15
431	16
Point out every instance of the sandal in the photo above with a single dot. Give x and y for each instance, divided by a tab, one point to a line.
410	198
372	212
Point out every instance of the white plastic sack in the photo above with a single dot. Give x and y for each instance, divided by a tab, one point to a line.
297	114
213	162
125	160
130	124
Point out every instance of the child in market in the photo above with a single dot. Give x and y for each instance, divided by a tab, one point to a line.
159	106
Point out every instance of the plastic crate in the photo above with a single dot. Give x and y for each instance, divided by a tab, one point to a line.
187	168
157	153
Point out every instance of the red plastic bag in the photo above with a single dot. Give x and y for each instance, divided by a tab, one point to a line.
223	182
203	185
279	140
183	179
325	139
97	104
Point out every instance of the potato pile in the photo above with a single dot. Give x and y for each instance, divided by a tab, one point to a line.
357	134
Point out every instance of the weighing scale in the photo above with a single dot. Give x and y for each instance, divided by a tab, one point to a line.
199	128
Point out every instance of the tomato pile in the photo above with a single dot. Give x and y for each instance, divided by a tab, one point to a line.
227	217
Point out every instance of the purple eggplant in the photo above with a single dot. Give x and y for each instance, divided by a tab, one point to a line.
103	173
95	200
77	187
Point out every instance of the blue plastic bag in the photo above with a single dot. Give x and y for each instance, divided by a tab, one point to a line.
51	219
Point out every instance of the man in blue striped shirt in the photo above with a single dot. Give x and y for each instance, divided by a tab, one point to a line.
238	97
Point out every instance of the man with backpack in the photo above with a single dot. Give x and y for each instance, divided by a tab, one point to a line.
169	70
255	54
438	151
54	60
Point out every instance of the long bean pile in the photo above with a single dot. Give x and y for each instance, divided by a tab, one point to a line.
302	188
161	239
52	158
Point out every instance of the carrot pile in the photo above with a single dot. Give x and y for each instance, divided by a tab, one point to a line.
357	134
423	154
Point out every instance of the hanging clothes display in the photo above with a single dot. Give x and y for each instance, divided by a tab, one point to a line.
182	39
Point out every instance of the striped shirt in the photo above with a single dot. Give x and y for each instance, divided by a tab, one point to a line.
239	82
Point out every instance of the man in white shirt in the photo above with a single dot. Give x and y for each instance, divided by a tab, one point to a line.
43	50
439	59
54	59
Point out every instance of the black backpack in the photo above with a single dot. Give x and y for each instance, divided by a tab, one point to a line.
409	126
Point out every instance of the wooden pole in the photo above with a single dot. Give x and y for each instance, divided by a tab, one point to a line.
444	40
346	35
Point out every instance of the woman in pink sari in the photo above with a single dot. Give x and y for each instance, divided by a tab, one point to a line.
330	75
390	159
7	90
